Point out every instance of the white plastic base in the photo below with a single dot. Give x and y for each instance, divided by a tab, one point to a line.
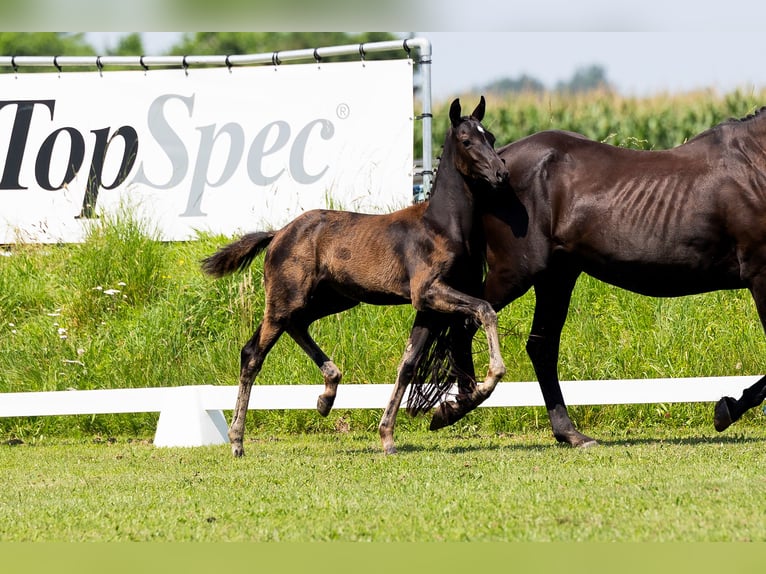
184	422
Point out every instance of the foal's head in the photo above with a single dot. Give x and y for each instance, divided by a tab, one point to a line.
475	156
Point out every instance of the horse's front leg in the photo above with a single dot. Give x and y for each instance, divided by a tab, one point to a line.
460	343
551	308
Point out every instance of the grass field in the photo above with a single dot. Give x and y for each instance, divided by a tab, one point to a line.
125	310
656	485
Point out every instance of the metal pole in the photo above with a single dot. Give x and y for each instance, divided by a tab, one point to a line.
424	60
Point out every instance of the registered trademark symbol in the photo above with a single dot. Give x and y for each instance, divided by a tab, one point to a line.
343	111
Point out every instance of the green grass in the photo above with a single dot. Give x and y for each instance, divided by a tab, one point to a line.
124	310
679	485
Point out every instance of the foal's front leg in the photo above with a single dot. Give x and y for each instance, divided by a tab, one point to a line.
415	343
443	298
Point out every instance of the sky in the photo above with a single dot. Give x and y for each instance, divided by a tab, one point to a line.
636	62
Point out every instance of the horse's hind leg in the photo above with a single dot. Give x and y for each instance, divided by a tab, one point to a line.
553	294
728	410
251	360
330	371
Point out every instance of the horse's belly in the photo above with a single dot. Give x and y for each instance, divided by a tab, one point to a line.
664	281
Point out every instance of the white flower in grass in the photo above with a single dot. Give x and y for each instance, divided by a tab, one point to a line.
111	291
62	333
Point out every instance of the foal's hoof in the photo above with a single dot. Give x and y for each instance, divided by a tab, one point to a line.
445	414
237	449
722	418
324	405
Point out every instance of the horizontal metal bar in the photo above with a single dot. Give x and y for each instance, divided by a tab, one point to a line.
276	58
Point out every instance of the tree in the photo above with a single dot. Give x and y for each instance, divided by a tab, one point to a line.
263	42
585	79
44	44
130	45
523	83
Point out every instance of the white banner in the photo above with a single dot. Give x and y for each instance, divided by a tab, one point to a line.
220	150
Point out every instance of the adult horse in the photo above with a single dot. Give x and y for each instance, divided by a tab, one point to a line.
666	223
324	262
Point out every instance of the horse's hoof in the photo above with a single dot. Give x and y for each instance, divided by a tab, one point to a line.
444	415
237	450
389	450
576	439
589	443
722	415
324	405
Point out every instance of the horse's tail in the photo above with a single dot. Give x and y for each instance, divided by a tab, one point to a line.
238	255
436	371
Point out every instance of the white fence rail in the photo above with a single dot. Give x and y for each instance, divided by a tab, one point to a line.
193	415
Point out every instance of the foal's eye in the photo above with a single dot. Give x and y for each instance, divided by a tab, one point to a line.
466	143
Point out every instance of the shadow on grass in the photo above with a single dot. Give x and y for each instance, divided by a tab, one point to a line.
496	444
684	441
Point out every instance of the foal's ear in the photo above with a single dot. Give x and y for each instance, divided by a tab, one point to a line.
454	112
478	113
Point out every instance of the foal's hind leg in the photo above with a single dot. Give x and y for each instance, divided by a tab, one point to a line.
728	410
251	360
330	372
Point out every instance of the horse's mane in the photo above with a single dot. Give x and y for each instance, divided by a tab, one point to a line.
747	118
732	123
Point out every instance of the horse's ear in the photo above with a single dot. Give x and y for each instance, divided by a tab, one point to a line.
478	113
454	112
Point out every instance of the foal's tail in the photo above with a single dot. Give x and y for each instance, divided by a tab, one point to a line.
238	255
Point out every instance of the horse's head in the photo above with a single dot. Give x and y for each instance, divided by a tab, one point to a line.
475	155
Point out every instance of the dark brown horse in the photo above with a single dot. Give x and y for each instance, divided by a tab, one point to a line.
325	262
661	223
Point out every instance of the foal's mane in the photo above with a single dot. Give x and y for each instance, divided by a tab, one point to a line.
436	371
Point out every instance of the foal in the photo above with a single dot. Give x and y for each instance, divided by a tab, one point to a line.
324	262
